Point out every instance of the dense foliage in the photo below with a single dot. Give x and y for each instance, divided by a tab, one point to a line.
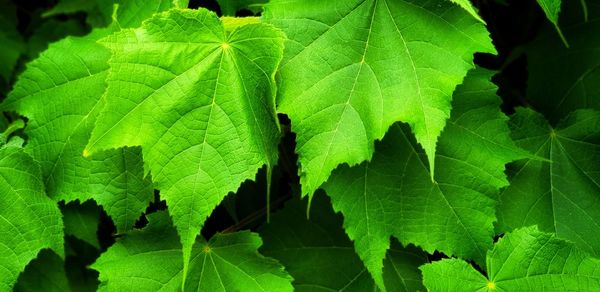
254	145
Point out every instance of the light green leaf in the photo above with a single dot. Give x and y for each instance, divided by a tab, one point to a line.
466	5
320	257
562	79
71	74
561	194
454	275
392	195
45	273
551	9
523	260
131	13
230	7
81	221
150	260
199	101
29	221
353	68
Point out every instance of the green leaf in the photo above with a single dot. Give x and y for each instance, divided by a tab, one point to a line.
72	74
231	262
320	257
466	5
99	12
199	101
552	9
562	79
316	252
230	7
45	273
392	195
30	221
560	194
131	13
81	221
150	260
50	31
400	271
523	260
454	275
353	68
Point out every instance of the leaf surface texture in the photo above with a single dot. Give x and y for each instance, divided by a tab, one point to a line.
199	100
29	220
150	260
392	195
353	68
560	193
523	260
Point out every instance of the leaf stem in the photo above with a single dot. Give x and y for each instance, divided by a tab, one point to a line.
562	36
585	10
269	178
308	206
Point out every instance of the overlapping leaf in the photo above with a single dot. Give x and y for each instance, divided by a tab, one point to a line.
353	68
99	12
45	273
81	221
29	220
468	6
524	260
230	7
150	260
552	9
393	196
61	94
10	39
561	194
199	100
51	30
131	13
320	256
563	79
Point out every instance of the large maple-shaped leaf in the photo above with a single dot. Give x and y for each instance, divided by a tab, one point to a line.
523	260
320	257
353	68
393	196
561	194
29	220
61	94
199	100
150	260
563	79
